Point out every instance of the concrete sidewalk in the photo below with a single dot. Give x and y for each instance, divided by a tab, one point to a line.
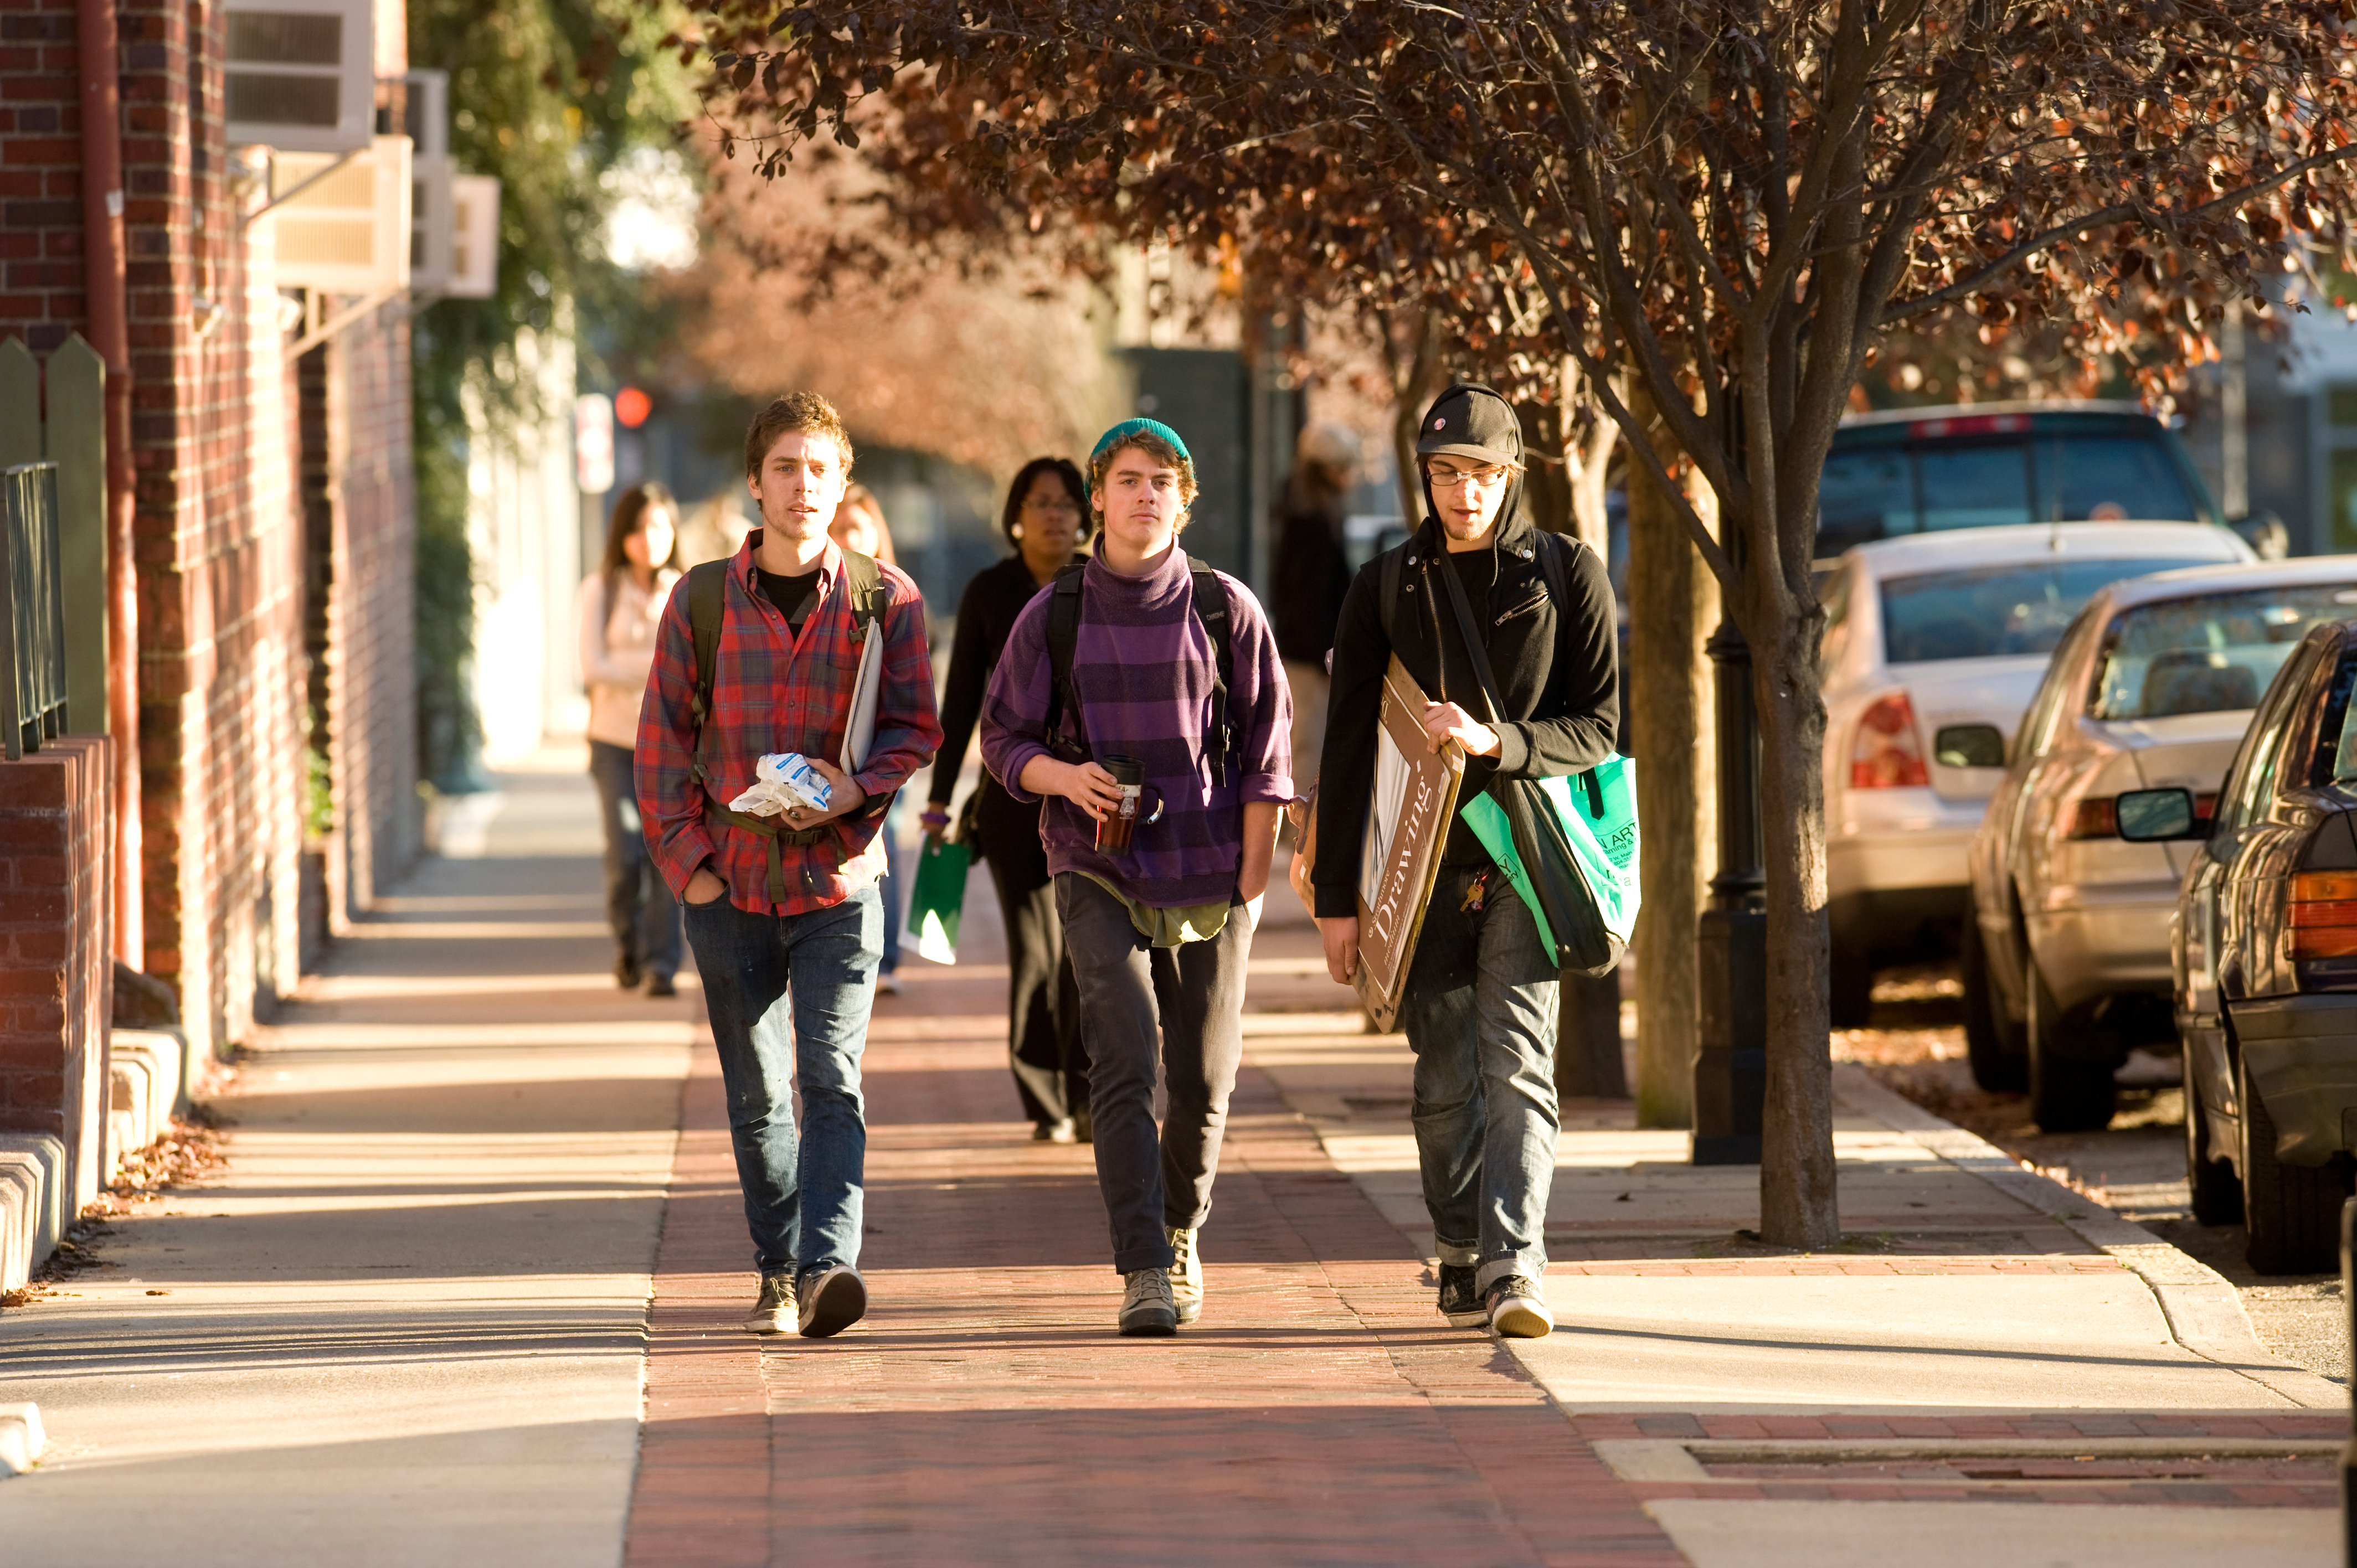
471	1292
1983	1332
407	1325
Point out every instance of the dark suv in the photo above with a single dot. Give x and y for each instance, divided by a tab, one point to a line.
1926	470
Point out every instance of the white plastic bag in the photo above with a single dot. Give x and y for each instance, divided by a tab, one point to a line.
782	779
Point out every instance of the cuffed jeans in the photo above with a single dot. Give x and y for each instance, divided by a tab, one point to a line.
802	1193
1479	1011
1182	1007
639	903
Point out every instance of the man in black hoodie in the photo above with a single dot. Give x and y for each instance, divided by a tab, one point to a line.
1479	1003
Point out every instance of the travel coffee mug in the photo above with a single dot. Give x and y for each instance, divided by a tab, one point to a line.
1113	832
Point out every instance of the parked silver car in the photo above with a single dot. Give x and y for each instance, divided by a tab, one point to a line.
1933	643
2066	962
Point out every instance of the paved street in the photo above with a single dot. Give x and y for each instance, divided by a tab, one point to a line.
469	1291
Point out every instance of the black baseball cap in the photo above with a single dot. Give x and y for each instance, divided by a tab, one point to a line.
1471	421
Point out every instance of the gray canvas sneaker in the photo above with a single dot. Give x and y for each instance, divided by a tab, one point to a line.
832	1303
1186	1272
1147	1310
774	1313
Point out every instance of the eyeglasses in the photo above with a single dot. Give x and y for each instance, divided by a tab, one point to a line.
1448	477
1065	507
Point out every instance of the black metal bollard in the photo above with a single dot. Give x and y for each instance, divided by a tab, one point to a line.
2349	1451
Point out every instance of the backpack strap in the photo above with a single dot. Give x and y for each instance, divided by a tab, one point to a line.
707	606
863	584
1063	640
1212	609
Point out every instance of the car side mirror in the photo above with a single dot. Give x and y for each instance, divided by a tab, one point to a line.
1969	745
2157	816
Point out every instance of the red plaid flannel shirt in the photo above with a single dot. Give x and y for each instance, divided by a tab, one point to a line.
772	693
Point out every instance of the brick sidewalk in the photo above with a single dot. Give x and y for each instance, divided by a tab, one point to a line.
986	1412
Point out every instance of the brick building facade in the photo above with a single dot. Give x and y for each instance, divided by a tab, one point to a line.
54	890
231	563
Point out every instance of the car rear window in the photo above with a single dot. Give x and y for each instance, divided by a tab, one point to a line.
1873	491
2207	655
1989	612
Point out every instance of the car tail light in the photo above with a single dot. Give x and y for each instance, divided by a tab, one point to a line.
1885	754
2323	914
2097	817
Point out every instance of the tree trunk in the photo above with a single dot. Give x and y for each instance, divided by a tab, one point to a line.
1673	604
1588	1060
1798	1200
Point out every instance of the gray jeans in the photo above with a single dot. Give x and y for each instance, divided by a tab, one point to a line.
1479	1010
1182	1007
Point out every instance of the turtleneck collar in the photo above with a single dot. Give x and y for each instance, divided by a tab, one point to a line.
1170	579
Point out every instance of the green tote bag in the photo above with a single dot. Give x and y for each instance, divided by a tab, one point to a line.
937	898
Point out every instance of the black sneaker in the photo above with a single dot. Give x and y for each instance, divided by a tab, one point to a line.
1460	1298
832	1303
662	986
1517	1310
626	972
1147	1310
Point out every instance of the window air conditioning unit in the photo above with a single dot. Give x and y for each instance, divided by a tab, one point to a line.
474	237
301	74
431	241
349	231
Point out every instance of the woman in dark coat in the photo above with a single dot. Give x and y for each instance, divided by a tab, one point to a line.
1046	519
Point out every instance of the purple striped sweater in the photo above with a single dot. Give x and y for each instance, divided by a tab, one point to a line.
1145	671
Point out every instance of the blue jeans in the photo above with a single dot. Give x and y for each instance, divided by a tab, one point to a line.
802	1193
891	886
639	903
1479	1011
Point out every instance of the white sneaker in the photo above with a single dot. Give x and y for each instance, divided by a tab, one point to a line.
1518	1311
1147	1309
1186	1273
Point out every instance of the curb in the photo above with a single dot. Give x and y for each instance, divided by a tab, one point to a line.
32	1205
21	1438
2204	1310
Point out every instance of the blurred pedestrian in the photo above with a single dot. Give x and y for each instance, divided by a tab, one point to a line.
1046	518
616	611
1480	1004
859	525
1310	575
781	909
1140	674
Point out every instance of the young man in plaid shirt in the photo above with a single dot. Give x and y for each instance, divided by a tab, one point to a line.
784	910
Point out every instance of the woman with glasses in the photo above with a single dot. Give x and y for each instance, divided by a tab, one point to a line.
1046	519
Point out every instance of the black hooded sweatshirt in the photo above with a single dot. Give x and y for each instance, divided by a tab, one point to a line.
1556	664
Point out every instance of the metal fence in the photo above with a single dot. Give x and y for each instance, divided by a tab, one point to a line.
32	609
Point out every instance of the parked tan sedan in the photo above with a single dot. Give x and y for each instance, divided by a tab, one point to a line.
2066	962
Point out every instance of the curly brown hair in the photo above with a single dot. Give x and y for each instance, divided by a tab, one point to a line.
797	413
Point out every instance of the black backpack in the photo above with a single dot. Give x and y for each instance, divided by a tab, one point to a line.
1210	605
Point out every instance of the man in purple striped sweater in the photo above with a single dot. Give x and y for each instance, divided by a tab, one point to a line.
1160	932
